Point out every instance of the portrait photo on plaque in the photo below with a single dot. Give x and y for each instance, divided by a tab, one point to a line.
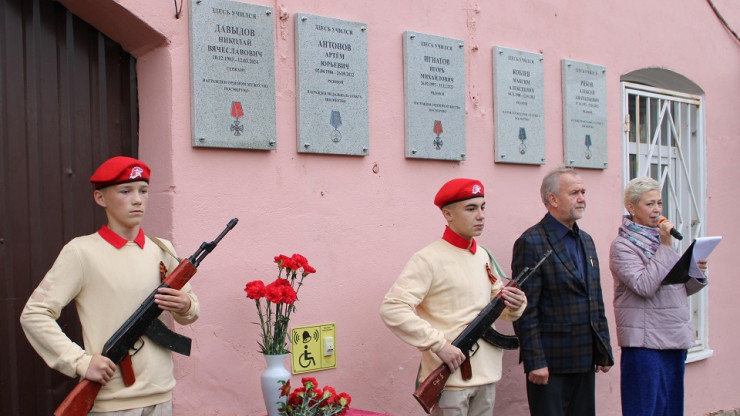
232	75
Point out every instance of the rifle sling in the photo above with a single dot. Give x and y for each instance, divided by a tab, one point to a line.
494	263
164	248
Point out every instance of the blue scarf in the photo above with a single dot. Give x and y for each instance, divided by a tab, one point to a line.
646	238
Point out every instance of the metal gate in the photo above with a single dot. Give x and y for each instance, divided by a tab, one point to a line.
67	102
664	139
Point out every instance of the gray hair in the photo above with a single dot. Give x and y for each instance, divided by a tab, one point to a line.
551	181
637	187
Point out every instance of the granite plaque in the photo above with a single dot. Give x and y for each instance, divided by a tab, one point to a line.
584	114
331	84
434	93
232	75
519	106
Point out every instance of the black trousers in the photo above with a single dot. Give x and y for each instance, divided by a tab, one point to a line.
563	395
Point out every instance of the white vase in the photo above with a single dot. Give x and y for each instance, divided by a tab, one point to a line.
270	380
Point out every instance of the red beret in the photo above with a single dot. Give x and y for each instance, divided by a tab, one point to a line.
458	190
120	169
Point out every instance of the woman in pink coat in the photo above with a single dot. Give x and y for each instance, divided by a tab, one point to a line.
653	322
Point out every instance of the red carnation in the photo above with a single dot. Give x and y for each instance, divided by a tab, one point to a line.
316	396
309	380
296	398
344	400
280	282
307	269
330	394
300	260
272	293
279	258
280	291
290	264
288	295
255	289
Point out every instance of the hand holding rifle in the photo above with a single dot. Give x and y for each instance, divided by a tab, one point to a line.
452	356
101	369
431	388
144	321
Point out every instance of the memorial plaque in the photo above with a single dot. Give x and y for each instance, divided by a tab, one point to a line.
519	106
331	78
584	114
232	75
434	91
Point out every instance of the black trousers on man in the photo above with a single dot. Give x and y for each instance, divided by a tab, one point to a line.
563	395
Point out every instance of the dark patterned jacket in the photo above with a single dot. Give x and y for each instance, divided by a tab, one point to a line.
564	326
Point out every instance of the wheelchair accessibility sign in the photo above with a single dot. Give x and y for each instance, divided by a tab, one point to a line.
313	348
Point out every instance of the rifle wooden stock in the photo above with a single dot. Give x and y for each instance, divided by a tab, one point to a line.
427	394
81	399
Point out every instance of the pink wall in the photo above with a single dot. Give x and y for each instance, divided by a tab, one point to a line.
358	227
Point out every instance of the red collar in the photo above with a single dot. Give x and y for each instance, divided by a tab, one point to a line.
458	241
116	240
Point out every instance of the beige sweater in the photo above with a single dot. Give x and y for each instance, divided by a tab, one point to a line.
107	285
440	291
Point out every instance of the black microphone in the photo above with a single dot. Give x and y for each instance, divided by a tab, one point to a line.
674	232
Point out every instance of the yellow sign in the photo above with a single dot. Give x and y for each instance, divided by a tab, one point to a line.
313	348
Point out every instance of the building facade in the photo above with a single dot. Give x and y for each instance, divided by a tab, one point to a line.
669	96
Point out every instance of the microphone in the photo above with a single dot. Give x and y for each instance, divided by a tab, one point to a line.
674	232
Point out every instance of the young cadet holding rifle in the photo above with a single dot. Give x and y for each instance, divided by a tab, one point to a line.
442	289
107	274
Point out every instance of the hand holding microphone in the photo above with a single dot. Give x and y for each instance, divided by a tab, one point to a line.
674	232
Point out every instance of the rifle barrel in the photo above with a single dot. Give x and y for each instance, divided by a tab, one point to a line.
206	248
525	273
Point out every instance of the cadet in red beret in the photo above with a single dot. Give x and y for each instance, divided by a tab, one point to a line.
458	190
441	289
120	169
107	274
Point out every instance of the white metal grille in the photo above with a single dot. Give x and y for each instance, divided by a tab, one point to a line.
664	139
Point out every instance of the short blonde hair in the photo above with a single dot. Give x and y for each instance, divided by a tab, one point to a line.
637	187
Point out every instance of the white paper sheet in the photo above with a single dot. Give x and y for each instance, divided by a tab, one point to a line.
702	247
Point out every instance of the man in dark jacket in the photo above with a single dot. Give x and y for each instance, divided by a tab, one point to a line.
563	332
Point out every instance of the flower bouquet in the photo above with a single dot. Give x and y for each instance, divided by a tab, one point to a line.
279	301
310	400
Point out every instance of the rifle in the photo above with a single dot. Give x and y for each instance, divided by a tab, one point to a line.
428	392
142	322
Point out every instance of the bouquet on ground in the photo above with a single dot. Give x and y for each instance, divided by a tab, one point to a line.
279	301
310	400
